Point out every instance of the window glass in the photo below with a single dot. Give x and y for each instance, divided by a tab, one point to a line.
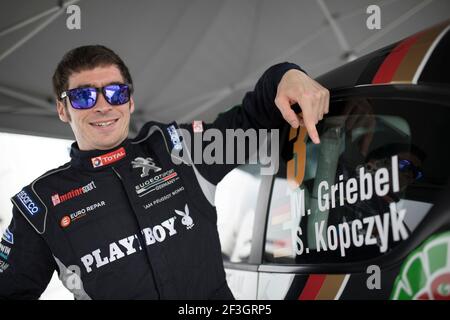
365	188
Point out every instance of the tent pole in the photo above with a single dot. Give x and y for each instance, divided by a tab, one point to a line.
386	29
26	98
36	31
342	40
28	21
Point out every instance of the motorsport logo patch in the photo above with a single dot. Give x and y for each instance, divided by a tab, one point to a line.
425	275
26	202
57	199
108	158
158	182
8	236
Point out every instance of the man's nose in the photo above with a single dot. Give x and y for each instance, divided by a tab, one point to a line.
102	105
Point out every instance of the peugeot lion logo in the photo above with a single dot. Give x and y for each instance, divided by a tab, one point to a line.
146	164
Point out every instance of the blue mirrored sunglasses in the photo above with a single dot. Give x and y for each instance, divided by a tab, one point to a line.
406	165
86	97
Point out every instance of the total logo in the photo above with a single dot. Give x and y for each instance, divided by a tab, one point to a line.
57	199
108	158
77	215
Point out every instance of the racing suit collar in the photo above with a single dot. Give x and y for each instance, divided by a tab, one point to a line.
94	160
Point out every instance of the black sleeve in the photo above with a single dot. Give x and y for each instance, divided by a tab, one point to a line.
257	111
26	262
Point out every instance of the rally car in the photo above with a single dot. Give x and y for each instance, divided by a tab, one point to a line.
365	214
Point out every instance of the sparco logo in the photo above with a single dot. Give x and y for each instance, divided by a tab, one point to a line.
146	164
129	245
108	158
31	207
57	199
174	137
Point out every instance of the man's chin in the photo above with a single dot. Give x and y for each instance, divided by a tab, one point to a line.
108	146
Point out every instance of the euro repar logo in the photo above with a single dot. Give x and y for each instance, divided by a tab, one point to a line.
425	275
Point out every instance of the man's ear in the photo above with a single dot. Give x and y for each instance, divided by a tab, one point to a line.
63	113
131	105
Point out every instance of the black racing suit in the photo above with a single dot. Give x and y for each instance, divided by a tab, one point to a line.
128	223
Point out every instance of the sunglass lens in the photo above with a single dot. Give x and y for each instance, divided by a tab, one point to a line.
117	94
83	98
404	165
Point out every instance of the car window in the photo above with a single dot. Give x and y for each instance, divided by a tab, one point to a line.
365	188
236	199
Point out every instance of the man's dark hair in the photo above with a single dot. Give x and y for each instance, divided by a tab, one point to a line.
395	148
86	58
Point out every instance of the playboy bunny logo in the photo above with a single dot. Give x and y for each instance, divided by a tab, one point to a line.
186	220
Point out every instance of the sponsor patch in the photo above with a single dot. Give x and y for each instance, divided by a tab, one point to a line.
163	198
197	126
3	266
77	215
157	182
425	273
186	220
65	221
8	236
152	235
25	200
109	158
174	137
57	199
146	164
4	251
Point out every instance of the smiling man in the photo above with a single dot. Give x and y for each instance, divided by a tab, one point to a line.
121	220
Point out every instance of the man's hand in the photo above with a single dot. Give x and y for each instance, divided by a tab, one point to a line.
313	99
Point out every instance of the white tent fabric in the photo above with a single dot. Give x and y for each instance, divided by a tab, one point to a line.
189	59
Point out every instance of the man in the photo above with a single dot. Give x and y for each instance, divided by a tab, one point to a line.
121	220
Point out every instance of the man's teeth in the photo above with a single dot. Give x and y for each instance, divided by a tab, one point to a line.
103	124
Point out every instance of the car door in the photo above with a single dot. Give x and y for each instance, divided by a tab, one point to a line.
345	215
241	202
